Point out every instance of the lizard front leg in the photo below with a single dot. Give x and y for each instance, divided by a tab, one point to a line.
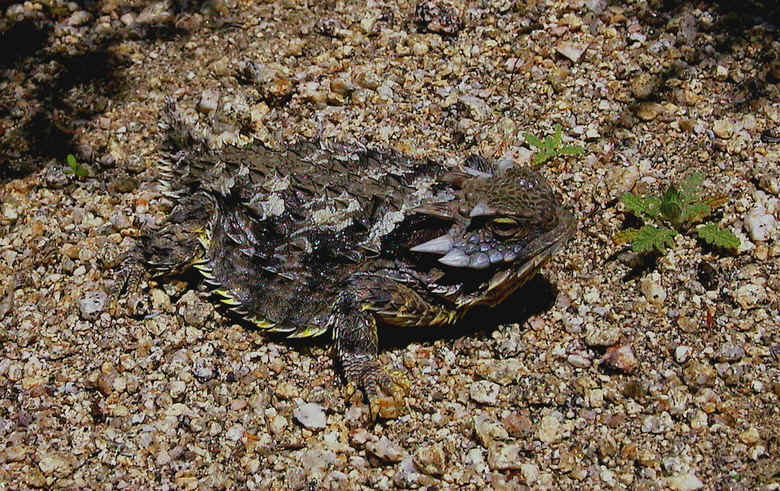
356	344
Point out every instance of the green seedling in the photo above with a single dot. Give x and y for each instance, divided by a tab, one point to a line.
75	168
550	147
678	210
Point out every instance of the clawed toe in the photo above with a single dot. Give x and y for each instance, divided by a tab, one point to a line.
386	396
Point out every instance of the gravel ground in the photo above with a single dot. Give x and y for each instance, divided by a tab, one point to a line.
612	373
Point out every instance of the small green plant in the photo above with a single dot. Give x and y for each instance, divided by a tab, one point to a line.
75	168
680	208
551	147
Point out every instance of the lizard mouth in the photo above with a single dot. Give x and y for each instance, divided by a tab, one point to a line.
480	251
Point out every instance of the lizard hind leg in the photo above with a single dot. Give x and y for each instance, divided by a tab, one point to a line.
356	344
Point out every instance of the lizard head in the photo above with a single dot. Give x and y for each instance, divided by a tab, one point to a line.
512	220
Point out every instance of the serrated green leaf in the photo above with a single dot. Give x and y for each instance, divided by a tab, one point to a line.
571	150
626	236
691	186
556	138
651	237
720	237
71	160
533	140
695	212
543	156
81	171
641	205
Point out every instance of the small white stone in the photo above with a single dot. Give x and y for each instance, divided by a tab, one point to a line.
502	456
750	436
681	354
79	18
578	361
549	428
530	473
596	398
311	415
235	433
278	424
420	49
652	290
478	109
684	482
760	225
750	296
484	392
177	388
386	450
571	51
488	429
601	336
92	303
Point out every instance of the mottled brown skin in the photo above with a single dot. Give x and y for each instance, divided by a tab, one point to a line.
325	237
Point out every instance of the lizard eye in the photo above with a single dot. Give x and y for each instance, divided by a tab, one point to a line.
504	227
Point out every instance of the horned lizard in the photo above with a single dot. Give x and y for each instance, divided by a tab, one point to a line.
335	238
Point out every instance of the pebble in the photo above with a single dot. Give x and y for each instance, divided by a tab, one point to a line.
644	85
601	336
684	482
10	212
648	111
14	453
128	19
406	474
760	225
430	459
488	429
367	79
278	424
730	352
386	450
652	289
622	180
750	436
316	461
723	128
503	456
657	424
478	108
530	473
750	296
681	354
56	463
697	374
620	358
311	415
484	392
92	303
203	374
178	388
193	309
572	51
769	182
549	428
79	18
578	361
235	433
